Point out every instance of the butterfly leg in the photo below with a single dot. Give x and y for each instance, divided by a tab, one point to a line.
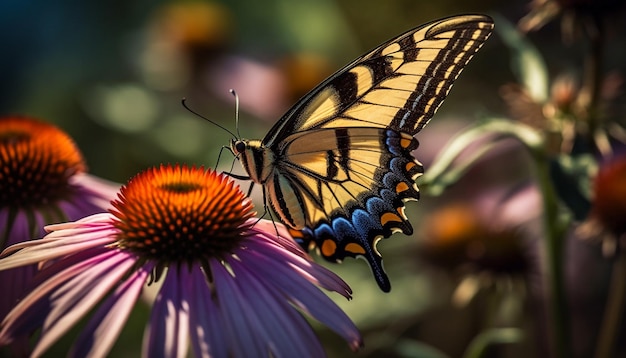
266	210
219	155
237	176
250	189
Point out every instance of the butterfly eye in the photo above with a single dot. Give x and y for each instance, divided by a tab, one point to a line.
240	147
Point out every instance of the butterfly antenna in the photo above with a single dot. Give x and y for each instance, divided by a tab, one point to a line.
232	91
184	103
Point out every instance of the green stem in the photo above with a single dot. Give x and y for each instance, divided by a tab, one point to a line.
614	309
554	230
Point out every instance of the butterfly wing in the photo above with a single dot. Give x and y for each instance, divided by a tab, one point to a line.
343	152
398	85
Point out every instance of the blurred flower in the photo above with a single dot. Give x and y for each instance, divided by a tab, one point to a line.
193	24
565	114
485	242
556	117
42	181
607	219
541	12
262	88
267	90
232	285
583	12
183	38
303	71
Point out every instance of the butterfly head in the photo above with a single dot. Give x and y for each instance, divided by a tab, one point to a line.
238	146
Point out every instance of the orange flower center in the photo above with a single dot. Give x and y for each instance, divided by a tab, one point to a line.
36	161
174	214
610	195
457	236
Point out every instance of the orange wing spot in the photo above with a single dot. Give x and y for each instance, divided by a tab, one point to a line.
387	217
409	166
402	186
328	248
355	249
296	234
401	212
405	142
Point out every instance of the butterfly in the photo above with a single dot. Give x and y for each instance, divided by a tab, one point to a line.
338	167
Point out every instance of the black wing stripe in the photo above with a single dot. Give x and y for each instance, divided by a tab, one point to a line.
343	144
346	88
443	67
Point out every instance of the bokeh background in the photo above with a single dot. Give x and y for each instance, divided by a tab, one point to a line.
113	73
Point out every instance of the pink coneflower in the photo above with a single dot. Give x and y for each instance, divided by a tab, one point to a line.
490	243
230	285
42	181
606	221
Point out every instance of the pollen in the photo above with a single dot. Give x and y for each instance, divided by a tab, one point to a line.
181	214
36	162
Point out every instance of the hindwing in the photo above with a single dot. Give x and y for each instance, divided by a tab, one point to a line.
354	194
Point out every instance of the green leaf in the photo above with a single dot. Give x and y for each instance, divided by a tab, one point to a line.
478	140
573	175
415	349
526	61
479	345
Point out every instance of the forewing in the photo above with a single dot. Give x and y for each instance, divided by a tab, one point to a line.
398	85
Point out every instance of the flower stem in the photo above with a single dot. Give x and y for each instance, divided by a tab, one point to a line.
555	230
614	309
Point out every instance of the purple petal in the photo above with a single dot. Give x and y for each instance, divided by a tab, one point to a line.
106	324
58	244
17	226
31	310
90	195
289	333
208	338
13	285
303	294
54	267
240	322
95	219
265	230
97	191
168	331
76	297
314	272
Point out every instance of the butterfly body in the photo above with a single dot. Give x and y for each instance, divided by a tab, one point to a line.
338	167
